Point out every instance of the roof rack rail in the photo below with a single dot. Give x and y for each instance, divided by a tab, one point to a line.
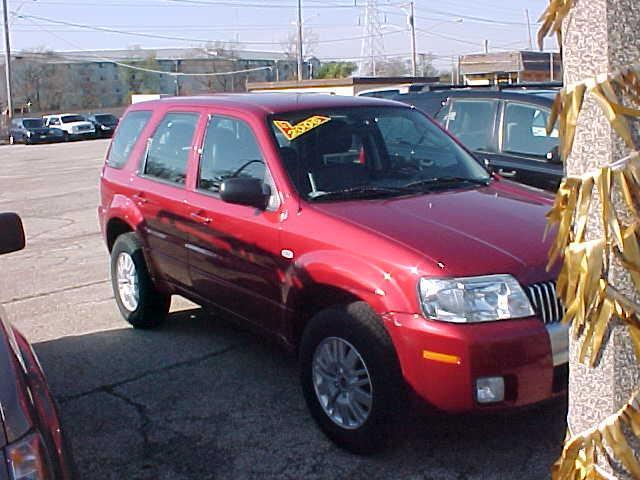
432	87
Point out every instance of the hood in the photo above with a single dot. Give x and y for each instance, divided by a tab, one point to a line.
79	124
464	232
12	386
39	130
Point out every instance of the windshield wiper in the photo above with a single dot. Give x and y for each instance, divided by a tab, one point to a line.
362	191
437	181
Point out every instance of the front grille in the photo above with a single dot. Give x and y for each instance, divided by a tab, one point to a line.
545	302
84	127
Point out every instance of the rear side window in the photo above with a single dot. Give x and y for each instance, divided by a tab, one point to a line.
525	130
168	150
127	137
472	122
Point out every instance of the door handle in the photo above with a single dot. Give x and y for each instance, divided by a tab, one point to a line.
201	218
507	173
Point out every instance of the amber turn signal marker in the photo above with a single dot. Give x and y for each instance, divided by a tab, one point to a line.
441	357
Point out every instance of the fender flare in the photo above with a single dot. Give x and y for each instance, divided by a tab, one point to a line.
123	208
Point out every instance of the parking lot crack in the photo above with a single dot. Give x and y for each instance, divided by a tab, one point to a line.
109	388
54	292
145	420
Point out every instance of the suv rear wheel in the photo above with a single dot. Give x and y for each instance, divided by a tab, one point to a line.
139	302
351	378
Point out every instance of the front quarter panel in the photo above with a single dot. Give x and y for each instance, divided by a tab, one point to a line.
380	288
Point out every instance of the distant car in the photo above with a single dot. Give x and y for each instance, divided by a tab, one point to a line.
31	130
73	126
504	127
104	124
32	443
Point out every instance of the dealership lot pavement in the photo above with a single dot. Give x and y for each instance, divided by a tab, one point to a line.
199	398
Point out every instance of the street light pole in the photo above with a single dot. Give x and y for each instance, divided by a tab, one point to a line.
412	25
300	58
7	58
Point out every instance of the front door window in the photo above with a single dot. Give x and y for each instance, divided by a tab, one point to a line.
231	150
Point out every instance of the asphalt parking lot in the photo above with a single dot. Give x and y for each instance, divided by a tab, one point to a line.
199	398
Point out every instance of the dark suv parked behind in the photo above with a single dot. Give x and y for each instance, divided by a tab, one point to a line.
506	128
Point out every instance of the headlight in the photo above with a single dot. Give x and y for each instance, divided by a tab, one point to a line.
28	133
27	459
474	299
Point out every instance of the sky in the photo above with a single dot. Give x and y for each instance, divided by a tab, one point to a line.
444	29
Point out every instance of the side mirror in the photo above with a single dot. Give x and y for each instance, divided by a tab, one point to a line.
245	191
554	155
11	233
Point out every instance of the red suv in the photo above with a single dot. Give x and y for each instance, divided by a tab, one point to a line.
354	230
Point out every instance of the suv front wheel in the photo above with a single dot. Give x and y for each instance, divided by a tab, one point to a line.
351	378
139	302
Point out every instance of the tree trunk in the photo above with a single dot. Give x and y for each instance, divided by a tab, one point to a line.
602	36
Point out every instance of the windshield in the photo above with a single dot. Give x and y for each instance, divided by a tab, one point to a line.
343	153
73	118
105	119
32	123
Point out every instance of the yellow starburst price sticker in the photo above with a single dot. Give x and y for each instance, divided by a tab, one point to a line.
294	131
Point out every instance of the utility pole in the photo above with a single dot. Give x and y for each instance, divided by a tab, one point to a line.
300	57
372	39
454	73
526	14
412	25
486	46
7	59
177	78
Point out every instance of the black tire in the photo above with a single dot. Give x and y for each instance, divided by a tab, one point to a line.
65	136
152	306
359	325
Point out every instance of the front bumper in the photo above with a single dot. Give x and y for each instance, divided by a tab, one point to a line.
443	361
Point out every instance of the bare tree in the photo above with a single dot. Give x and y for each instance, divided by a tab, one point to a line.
392	68
32	69
309	43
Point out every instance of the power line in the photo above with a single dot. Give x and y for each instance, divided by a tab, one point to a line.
171	37
151	70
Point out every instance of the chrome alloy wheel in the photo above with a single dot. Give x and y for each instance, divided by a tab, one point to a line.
127	281
342	383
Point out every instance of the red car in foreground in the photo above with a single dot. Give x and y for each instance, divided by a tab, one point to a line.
354	230
32	444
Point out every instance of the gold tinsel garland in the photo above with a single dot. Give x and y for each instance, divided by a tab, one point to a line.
591	302
579	455
552	20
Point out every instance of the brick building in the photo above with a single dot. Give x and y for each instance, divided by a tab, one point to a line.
510	67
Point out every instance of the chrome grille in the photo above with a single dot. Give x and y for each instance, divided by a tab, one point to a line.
545	302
